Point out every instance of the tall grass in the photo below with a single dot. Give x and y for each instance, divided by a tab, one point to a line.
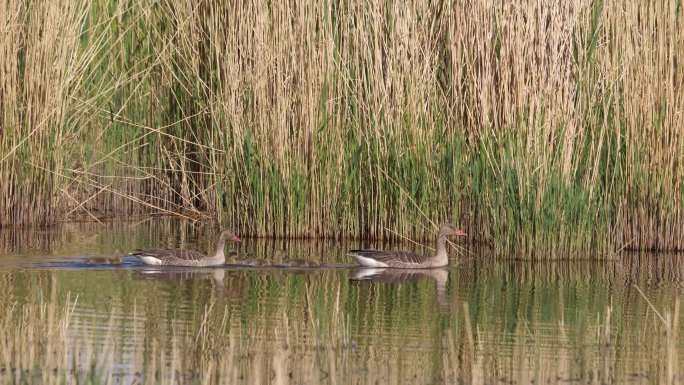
544	128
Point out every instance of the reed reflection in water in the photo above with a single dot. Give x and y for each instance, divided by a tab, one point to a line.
99	318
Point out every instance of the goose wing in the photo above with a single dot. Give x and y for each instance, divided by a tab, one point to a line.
390	257
166	254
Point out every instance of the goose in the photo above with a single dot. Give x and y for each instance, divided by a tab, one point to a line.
180	257
407	259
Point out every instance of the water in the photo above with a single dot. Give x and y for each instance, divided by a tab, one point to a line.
79	310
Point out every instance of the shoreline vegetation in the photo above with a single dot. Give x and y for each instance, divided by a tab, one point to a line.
542	128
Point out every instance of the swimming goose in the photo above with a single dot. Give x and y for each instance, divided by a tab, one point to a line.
407	259
180	257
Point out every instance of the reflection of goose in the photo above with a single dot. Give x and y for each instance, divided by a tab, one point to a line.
441	276
406	259
384	275
180	257
216	275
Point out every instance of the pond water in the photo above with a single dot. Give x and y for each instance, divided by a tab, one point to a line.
77	310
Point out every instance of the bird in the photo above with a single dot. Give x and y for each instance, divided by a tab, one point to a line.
180	257
407	259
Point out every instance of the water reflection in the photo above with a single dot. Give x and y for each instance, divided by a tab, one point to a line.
215	275
401	276
75	305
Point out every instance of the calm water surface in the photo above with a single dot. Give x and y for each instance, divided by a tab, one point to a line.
79	311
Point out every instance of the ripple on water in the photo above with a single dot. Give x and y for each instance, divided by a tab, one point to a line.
511	320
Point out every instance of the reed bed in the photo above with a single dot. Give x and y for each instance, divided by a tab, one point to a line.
546	129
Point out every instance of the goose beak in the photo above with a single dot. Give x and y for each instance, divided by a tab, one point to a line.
459	233
236	239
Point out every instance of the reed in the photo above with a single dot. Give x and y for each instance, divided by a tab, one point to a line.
547	129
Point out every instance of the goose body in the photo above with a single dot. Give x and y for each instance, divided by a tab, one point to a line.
181	257
407	259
